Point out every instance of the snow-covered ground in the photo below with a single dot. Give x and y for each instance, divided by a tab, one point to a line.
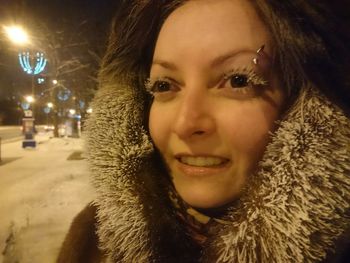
40	192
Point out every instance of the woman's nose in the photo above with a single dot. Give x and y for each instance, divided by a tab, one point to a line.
194	117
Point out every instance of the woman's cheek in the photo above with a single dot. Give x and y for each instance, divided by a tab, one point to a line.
159	127
248	130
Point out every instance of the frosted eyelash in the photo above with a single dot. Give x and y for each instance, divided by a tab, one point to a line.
253	78
149	84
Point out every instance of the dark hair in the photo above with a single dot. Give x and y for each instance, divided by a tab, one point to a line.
132	39
310	43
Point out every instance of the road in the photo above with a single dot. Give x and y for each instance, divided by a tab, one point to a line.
10	132
14	133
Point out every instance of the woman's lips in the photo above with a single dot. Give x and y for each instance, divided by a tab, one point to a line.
201	165
206	161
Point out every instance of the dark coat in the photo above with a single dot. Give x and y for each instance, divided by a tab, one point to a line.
81	243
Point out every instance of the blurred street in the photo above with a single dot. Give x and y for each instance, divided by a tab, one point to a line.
42	189
50	55
10	132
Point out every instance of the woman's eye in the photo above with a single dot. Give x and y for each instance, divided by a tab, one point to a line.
242	83
244	78
161	86
162	89
239	81
158	86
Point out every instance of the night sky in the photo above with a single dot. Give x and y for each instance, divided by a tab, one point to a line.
84	22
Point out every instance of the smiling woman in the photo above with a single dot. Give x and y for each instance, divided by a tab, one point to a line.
211	98
219	134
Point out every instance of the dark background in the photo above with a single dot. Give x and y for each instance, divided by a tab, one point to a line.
72	34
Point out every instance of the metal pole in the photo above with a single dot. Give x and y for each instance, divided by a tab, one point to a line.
33	95
34	103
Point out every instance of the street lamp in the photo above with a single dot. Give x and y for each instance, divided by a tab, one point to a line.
16	34
32	65
29	99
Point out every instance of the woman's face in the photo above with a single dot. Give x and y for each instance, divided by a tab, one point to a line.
213	106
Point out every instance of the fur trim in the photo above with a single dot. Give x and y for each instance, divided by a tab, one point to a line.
117	146
293	210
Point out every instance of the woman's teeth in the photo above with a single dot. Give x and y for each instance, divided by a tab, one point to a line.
202	161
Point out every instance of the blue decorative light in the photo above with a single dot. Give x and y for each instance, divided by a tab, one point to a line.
25	105
64	94
81	104
41	80
47	110
40	63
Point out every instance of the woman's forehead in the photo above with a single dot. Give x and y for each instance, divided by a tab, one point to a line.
204	14
212	29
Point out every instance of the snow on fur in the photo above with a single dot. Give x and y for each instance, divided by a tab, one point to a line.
116	144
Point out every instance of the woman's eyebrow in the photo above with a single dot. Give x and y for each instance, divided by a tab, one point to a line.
228	55
215	62
164	64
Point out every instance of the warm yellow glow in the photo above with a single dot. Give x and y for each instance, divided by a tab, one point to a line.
72	111
89	110
16	34
50	104
54	81
29	99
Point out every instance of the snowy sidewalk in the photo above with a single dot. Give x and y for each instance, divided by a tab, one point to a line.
40	192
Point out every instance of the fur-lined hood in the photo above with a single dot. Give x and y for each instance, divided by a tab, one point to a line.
293	210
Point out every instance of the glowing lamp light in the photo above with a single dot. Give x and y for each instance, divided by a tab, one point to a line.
89	110
16	34
50	104
54	82
72	111
29	99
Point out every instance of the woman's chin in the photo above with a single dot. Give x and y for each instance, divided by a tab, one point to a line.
206	200
210	192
